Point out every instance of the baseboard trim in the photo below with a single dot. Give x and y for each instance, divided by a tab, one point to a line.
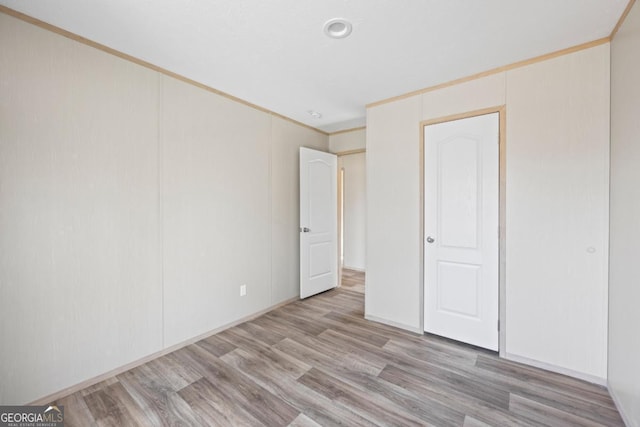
117	371
394	324
557	369
625	418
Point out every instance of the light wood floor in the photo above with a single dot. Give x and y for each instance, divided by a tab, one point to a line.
353	280
318	362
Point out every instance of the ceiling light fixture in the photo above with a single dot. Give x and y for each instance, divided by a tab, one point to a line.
314	114
337	28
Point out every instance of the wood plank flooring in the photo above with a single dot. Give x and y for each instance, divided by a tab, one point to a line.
317	362
353	280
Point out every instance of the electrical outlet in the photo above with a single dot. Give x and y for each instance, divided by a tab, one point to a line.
243	290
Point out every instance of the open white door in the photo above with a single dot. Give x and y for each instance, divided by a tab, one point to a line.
318	222
461	167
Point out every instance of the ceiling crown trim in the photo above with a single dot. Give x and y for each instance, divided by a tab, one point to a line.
75	37
518	64
497	70
622	18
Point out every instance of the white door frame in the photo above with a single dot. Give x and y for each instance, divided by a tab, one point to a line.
340	155
501	110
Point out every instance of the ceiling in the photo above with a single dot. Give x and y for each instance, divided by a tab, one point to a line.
275	54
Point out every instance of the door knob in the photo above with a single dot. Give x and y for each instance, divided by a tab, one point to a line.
305	230
430	239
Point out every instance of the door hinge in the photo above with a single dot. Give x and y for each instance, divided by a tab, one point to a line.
498	326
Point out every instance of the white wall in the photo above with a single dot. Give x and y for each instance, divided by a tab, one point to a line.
624	282
132	206
557	211
347	141
354	210
79	250
556	145
215	209
393	289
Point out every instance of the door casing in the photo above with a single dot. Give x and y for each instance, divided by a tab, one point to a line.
502	164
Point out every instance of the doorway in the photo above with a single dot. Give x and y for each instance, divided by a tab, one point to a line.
462	237
352	218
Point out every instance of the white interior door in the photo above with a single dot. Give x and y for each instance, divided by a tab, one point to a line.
318	222
461	222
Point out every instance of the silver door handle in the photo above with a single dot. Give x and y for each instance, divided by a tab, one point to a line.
430	239
305	230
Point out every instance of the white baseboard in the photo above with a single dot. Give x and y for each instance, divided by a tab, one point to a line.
625	418
361	270
112	373
558	369
394	324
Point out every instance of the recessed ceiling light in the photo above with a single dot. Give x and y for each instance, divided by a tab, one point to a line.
314	114
337	28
